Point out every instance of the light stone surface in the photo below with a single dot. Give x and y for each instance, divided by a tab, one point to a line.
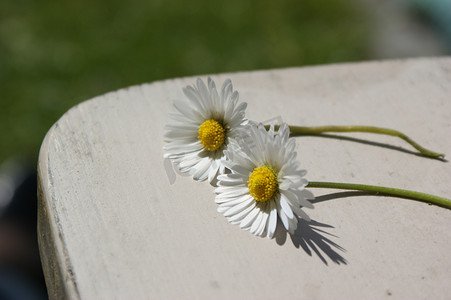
112	226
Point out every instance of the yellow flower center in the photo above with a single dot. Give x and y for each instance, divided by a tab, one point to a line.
262	183
211	135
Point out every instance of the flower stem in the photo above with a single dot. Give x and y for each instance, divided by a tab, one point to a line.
300	130
428	198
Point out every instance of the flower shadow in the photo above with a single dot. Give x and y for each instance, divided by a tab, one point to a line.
371	143
312	238
342	195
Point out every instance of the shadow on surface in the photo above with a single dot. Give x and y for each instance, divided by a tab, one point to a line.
21	274
371	143
312	238
341	195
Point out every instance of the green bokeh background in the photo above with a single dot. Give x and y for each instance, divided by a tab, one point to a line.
55	54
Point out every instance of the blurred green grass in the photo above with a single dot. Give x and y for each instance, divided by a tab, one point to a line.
55	54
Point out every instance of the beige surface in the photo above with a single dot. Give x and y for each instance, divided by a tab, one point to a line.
112	226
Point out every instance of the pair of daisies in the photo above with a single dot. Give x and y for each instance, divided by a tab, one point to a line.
259	180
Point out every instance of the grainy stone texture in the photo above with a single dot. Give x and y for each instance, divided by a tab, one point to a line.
112	226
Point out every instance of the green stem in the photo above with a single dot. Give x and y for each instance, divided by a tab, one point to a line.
440	201
300	130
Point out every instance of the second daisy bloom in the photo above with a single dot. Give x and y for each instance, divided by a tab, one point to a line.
265	184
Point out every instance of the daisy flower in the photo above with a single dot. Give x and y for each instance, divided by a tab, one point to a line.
202	127
265	182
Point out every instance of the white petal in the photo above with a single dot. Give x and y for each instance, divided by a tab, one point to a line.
189	160
233	201
185	109
282	216
238	208
238	181
176	148
213	172
179	119
241	170
272	221
257	222
296	199
201	170
263	224
226	89
232	192
247	221
239	216
286	207
187	135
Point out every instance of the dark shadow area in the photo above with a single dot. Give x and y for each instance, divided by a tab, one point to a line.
373	194
371	143
341	195
21	274
311	237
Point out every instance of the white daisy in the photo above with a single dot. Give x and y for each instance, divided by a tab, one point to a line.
265	182
202	127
